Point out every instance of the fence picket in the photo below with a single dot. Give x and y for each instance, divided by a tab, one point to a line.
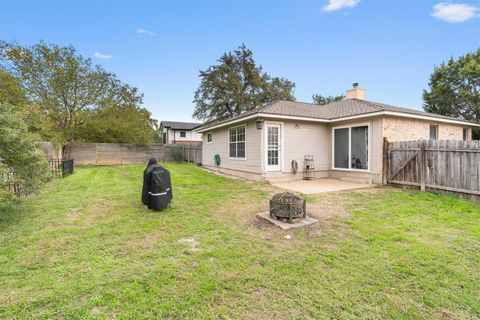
448	165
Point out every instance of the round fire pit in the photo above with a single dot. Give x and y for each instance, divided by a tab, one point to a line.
288	206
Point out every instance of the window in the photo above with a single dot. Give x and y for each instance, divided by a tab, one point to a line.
341	148
359	148
350	148
209	137
237	142
183	134
164	137
433	132
465	134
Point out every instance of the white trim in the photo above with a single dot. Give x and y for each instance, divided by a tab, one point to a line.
369	151
228	141
281	146
365	115
430	118
210	132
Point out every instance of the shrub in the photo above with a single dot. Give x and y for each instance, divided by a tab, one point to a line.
177	154
18	150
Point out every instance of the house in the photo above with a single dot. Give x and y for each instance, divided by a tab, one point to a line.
345	138
180	132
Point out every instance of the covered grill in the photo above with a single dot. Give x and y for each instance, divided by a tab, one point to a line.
287	206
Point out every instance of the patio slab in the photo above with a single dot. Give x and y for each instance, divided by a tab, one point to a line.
320	185
285	225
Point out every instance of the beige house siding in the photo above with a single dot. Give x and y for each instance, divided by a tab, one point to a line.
402	129
300	139
220	146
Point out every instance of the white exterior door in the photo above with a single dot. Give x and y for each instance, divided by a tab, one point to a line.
273	147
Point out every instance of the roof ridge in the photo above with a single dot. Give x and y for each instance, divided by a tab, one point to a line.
369	103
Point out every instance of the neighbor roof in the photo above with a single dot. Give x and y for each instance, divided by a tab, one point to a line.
174	125
335	111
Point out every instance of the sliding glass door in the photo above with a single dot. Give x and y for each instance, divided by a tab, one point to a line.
350	148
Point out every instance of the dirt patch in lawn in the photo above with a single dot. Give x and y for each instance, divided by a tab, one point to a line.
191	242
147	242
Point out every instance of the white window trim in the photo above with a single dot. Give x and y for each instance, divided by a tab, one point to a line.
211	132
265	137
350	147
180	134
228	141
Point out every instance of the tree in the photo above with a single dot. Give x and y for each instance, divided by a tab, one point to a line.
10	90
18	150
119	124
235	85
455	88
63	86
321	100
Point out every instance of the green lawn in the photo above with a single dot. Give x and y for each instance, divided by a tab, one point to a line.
85	247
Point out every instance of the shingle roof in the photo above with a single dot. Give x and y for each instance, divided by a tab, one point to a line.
180	125
331	111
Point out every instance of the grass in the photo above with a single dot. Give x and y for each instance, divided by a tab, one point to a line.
86	248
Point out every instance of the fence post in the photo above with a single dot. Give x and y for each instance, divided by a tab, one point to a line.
423	166
96	153
385	161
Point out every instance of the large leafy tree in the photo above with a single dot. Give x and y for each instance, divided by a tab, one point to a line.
10	90
237	84
64	87
455	88
119	124
322	100
18	150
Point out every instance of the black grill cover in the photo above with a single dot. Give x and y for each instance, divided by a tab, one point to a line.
157	187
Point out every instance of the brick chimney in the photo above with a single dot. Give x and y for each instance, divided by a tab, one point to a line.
356	92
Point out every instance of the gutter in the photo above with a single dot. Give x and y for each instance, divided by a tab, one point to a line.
365	115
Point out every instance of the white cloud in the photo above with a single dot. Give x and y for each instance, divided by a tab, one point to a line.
334	5
454	12
98	55
144	32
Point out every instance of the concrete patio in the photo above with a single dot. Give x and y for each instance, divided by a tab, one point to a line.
320	185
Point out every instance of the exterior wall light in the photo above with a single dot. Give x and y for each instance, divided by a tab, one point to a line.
259	123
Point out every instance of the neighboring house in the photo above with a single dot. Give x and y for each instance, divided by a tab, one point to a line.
180	132
344	137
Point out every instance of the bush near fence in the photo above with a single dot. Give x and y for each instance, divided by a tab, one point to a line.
58	169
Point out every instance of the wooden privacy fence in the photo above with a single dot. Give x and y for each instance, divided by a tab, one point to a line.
447	165
192	153
119	153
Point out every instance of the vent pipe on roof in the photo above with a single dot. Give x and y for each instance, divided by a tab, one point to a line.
356	92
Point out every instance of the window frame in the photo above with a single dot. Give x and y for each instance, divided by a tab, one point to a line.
465	134
184	132
211	137
236	142
369	147
430	132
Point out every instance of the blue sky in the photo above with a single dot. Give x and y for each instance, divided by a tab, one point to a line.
389	47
